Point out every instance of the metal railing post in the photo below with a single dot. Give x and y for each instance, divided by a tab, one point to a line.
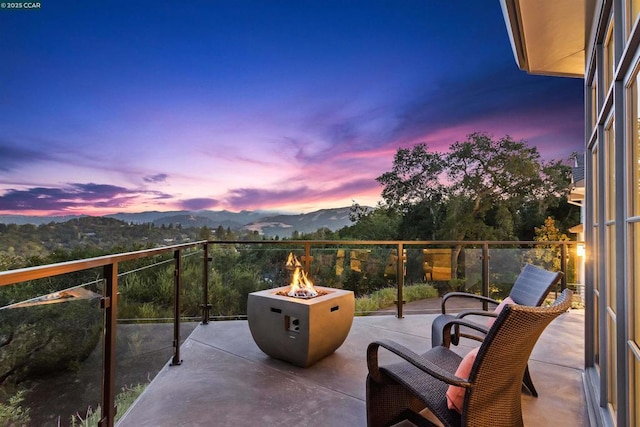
206	307
176	307
563	266
109	303
307	257
485	273
400	276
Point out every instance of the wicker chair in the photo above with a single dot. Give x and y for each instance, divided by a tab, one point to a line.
530	289
400	391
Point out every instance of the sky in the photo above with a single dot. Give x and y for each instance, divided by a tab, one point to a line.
285	105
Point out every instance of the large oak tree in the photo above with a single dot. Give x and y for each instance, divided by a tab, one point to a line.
480	189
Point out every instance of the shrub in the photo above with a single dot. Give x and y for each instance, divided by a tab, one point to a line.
12	413
419	292
386	297
123	401
366	304
47	338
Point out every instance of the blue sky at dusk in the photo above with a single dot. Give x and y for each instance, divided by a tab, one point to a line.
283	105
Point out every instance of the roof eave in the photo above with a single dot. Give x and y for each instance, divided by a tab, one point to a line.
532	25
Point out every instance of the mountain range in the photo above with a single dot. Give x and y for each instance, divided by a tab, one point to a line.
267	223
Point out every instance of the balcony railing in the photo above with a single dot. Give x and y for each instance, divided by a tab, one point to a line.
201	274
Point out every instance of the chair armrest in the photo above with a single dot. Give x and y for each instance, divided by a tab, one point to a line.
414	358
465	295
446	330
483	313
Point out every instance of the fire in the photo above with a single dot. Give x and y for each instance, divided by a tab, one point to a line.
301	286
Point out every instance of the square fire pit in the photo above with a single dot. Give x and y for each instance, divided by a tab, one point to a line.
298	330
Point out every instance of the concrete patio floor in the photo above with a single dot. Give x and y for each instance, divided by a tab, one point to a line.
225	380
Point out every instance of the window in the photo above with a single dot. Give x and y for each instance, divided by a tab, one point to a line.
634	140
610	172
610	263
634	390
633	8
595	249
594	104
635	278
634	324
612	398
609	61
596	193
634	241
610	216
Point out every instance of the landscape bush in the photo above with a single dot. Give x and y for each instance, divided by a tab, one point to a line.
123	401
49	338
12	413
384	298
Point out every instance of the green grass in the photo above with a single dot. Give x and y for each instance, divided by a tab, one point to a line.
384	298
123	401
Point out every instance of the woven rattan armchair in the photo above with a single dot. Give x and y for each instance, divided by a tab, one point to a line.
402	390
530	289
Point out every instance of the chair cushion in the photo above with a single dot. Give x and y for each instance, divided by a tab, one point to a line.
498	309
455	394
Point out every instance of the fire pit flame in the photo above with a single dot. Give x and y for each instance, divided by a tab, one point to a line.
301	286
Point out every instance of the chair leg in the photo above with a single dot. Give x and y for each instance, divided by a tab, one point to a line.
437	330
528	383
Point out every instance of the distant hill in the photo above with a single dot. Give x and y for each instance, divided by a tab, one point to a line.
284	225
35	220
267	223
186	218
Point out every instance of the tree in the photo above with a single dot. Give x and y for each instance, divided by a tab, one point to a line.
415	178
357	212
322	233
422	220
478	190
204	233
490	181
378	224
548	256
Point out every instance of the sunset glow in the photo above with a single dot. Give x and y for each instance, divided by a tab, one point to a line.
246	104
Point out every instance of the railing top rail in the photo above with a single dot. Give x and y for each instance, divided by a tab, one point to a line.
10	277
395	242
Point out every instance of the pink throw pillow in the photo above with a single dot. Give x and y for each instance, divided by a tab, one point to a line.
455	394
498	309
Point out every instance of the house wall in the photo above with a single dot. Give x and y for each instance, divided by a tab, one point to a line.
612	216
